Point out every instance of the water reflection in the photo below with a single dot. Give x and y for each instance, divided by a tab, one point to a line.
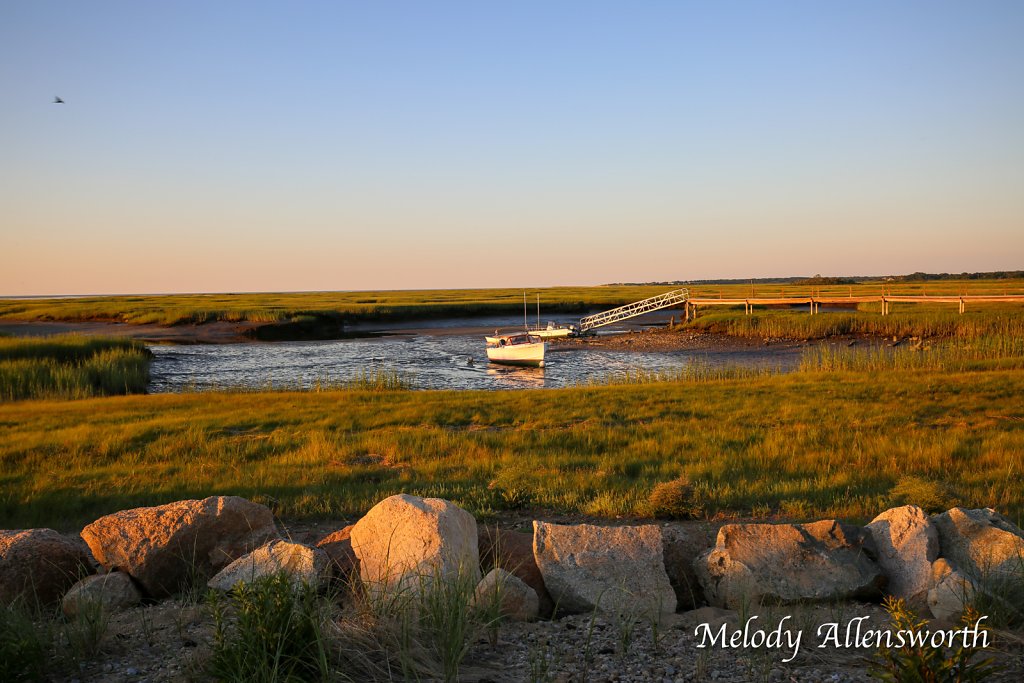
516	378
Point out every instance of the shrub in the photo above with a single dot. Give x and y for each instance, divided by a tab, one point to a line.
675	499
930	496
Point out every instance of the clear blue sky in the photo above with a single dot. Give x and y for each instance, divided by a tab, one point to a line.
232	146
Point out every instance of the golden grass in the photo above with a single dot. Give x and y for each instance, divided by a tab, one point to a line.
301	307
809	444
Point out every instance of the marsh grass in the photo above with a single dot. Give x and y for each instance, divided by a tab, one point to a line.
71	366
364	380
1005	351
695	372
806	444
330	308
915	320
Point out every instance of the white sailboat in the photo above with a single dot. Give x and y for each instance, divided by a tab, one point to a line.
521	348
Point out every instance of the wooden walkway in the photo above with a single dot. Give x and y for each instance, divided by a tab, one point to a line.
815	302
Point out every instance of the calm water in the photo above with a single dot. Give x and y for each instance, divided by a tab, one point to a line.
451	356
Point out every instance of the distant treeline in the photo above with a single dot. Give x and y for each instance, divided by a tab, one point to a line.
995	275
844	280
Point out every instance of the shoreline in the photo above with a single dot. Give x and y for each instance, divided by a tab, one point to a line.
221	332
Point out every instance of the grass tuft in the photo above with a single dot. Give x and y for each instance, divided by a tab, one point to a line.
71	366
674	499
931	496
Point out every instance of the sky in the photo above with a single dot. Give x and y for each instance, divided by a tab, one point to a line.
291	146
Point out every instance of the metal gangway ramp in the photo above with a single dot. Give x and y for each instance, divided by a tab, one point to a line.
666	300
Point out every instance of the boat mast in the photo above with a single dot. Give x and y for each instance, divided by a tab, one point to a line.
538	311
526	326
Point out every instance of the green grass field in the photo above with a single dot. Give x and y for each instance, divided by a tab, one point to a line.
807	444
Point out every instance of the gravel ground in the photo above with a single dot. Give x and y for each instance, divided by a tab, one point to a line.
170	641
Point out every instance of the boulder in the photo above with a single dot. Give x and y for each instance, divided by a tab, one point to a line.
683	545
787	563
951	591
981	544
338	546
405	543
111	592
165	547
907	543
301	563
614	569
39	565
513	552
506	592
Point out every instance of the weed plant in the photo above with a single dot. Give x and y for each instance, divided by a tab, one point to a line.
269	630
26	641
927	664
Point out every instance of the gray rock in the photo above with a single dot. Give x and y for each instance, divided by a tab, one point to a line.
405	543
166	546
614	569
39	565
513	552
907	544
951	591
301	563
788	563
981	544
509	594
112	592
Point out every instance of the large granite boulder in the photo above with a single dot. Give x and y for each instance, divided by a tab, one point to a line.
682	546
302	565
507	594
110	592
513	552
39	565
981	543
786	563
166	546
405	543
614	569
907	543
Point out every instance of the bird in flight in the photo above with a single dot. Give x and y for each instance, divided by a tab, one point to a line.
57	100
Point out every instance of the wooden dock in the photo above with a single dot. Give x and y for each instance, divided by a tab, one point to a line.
814	302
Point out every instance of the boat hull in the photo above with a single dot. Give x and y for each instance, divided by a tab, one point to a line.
552	333
529	355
